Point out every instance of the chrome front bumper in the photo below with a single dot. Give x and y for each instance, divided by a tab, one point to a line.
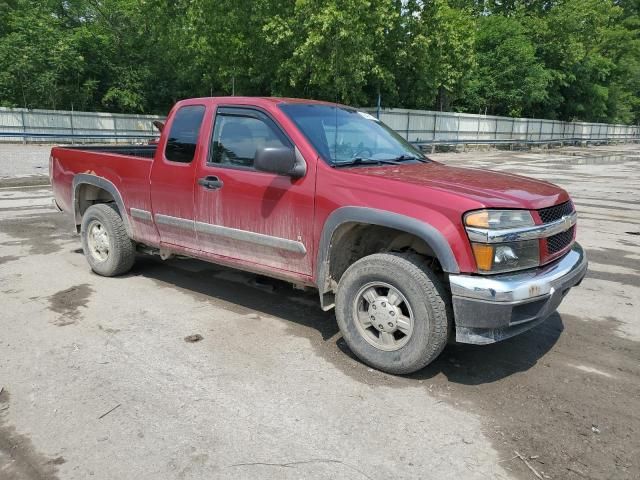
488	309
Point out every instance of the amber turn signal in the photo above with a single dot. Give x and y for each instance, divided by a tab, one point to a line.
484	256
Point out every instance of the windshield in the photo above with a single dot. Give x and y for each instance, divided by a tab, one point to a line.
343	135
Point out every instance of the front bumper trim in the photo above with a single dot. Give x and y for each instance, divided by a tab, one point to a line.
520	286
489	309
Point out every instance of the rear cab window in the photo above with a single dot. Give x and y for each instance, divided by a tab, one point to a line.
183	137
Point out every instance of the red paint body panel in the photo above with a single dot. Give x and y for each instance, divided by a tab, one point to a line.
173	186
289	209
130	175
487	188
259	202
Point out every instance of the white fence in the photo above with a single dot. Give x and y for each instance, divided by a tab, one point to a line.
429	127
57	126
418	126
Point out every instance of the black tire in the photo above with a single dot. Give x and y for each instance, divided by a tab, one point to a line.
121	249
428	301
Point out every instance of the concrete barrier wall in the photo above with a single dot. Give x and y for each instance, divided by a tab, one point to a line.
425	126
417	126
57	126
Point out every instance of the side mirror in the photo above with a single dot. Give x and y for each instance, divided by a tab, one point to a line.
281	161
159	125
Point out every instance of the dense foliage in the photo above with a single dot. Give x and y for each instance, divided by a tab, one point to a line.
565	59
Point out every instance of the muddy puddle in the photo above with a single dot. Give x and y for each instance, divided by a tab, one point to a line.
19	459
571	161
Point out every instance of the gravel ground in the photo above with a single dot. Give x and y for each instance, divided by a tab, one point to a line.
21	164
97	380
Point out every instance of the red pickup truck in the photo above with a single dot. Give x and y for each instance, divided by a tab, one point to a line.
410	252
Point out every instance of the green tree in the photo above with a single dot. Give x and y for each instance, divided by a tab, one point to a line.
509	79
335	48
567	59
570	40
433	54
36	73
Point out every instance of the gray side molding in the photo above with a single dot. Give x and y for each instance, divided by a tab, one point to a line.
103	183
255	238
144	215
373	216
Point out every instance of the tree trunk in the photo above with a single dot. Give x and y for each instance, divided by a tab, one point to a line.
443	99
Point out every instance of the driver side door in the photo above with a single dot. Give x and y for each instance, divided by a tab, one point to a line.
247	216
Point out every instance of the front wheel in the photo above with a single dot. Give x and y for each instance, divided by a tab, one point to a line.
392	312
105	242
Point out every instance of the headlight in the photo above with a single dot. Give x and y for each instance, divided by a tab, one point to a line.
501	257
499	219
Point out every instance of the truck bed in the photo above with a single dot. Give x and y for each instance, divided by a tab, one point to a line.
127	167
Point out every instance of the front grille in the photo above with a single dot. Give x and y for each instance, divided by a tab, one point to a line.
551	214
560	241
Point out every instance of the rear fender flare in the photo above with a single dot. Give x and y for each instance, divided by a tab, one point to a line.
100	182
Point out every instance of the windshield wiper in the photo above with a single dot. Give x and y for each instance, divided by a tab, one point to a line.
404	157
366	161
380	161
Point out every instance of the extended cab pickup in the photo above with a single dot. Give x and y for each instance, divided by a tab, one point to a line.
410	252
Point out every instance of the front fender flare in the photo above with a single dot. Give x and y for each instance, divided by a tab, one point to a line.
429	234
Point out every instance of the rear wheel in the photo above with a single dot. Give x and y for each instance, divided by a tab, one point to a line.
105	242
393	312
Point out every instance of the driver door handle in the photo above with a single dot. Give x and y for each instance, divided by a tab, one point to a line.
210	182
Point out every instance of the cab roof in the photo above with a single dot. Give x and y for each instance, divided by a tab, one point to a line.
241	100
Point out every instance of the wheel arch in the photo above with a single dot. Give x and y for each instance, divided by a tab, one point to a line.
90	189
415	231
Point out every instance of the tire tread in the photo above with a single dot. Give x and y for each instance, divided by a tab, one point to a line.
436	297
124	248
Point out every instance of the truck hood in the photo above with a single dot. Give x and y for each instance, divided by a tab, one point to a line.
489	188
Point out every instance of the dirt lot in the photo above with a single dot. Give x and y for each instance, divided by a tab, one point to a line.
98	381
